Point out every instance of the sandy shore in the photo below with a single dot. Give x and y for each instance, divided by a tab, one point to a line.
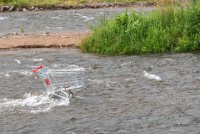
47	40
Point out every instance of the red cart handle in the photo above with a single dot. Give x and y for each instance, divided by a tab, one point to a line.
35	70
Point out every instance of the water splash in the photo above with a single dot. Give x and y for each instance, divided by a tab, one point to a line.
24	72
21	72
59	27
3	18
7	75
126	64
151	76
56	17
32	103
86	18
39	59
18	61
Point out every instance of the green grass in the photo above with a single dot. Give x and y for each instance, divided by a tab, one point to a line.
164	30
24	3
56	2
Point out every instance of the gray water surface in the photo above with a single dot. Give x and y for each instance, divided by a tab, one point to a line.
117	98
57	20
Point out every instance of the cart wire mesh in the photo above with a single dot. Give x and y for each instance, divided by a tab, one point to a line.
71	77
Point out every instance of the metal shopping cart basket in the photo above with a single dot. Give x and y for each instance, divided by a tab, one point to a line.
60	82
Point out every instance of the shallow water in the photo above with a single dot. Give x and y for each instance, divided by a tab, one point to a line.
117	97
57	21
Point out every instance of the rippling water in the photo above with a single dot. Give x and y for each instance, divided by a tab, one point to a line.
58	20
118	97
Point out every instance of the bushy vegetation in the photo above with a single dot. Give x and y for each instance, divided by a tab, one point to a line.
193	28
166	30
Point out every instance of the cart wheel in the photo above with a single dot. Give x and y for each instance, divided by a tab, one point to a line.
71	94
53	96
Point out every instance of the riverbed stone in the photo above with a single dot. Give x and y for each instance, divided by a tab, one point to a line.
24	9
36	9
4	8
32	8
12	8
81	6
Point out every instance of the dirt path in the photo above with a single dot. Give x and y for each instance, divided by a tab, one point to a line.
53	40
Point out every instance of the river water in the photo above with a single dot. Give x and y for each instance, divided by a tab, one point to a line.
121	94
117	98
58	20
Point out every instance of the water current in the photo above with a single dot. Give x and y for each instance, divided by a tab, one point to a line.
58	20
121	95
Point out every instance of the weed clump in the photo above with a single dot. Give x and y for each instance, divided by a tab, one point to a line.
166	30
193	28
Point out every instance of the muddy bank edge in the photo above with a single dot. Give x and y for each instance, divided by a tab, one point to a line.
46	40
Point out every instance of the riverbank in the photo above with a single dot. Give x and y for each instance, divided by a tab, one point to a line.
45	40
43	7
37	29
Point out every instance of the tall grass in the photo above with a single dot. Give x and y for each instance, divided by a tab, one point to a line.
165	30
193	29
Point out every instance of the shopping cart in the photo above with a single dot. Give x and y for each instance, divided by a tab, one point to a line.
60	82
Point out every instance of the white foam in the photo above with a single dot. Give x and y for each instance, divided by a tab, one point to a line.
86	18
40	59
96	81
78	14
126	64
25	72
70	68
151	76
74	87
7	75
18	61
22	72
59	27
3	18
55	17
33	103
56	65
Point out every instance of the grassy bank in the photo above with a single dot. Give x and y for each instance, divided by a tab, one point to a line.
56	2
165	30
30	3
